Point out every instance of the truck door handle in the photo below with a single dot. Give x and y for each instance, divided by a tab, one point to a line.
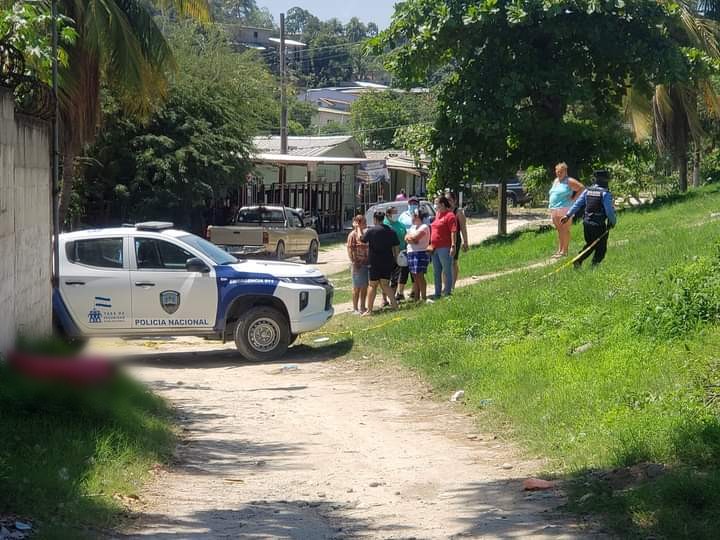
144	284
237	232
74	283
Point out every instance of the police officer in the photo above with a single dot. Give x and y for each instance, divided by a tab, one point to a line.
598	220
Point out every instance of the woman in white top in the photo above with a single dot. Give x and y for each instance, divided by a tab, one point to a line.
418	240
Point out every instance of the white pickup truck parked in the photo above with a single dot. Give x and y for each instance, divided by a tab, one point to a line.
153	280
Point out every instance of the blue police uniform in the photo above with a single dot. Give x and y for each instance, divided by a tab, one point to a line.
598	219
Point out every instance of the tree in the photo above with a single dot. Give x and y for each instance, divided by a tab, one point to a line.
377	115
335	52
300	114
232	10
328	60
190	150
297	20
261	18
334	128
118	44
355	30
25	27
673	110
416	140
529	82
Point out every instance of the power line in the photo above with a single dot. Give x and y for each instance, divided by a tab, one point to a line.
311	49
351	131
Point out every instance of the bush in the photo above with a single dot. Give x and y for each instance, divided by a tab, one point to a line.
710	167
537	181
687	296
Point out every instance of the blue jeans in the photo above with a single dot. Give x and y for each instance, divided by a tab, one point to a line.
442	264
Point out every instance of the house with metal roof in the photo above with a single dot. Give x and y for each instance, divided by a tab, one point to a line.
405	173
329	146
322	176
317	174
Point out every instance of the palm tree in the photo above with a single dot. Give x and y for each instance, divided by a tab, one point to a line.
118	45
670	115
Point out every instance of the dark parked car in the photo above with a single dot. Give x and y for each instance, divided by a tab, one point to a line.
400	206
517	195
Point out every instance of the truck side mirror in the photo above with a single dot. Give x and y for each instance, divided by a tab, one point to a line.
196	265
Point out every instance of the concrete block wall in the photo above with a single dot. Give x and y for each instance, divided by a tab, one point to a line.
25	225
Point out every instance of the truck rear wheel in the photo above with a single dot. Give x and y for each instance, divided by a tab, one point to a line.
262	334
280	251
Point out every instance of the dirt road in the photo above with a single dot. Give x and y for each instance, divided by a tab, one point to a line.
325	446
334	260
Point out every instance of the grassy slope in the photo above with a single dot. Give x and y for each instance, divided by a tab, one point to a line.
629	398
66	454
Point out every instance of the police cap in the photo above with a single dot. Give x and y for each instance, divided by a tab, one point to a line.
601	177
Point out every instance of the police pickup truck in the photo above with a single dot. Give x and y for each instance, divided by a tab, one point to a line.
153	280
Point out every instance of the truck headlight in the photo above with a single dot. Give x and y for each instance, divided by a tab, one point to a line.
319	281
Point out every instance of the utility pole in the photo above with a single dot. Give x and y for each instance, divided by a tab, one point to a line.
282	170
283	89
55	180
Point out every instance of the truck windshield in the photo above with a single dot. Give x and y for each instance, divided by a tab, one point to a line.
210	250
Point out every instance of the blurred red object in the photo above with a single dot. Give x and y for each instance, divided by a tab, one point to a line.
79	370
537	484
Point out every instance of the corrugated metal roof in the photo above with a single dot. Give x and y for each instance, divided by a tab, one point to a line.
285	159
398	159
333	111
300	146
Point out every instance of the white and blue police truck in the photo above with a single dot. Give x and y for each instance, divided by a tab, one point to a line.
153	280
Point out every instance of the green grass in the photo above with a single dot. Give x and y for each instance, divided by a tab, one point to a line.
632	396
65	454
343	287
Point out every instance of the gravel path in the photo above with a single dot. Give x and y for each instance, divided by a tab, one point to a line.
326	446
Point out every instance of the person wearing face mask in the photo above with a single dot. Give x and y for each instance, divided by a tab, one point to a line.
443	240
400	273
418	239
406	218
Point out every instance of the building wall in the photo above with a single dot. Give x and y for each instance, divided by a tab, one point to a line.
322	118
401	179
25	225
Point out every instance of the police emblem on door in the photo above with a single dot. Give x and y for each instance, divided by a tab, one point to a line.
170	301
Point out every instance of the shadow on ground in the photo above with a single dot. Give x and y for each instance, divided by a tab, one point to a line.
297	519
230	358
496	510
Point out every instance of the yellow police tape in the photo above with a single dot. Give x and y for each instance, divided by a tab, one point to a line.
394	319
576	258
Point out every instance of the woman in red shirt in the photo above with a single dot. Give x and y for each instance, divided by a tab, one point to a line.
443	239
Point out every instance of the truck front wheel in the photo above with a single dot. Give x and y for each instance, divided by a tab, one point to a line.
262	334
311	257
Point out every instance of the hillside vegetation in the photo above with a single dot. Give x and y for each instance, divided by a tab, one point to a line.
597	368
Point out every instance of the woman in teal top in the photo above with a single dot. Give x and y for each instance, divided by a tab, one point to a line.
563	193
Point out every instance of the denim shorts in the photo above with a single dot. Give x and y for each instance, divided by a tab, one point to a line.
360	276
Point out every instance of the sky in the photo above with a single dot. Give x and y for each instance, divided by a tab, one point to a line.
377	11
